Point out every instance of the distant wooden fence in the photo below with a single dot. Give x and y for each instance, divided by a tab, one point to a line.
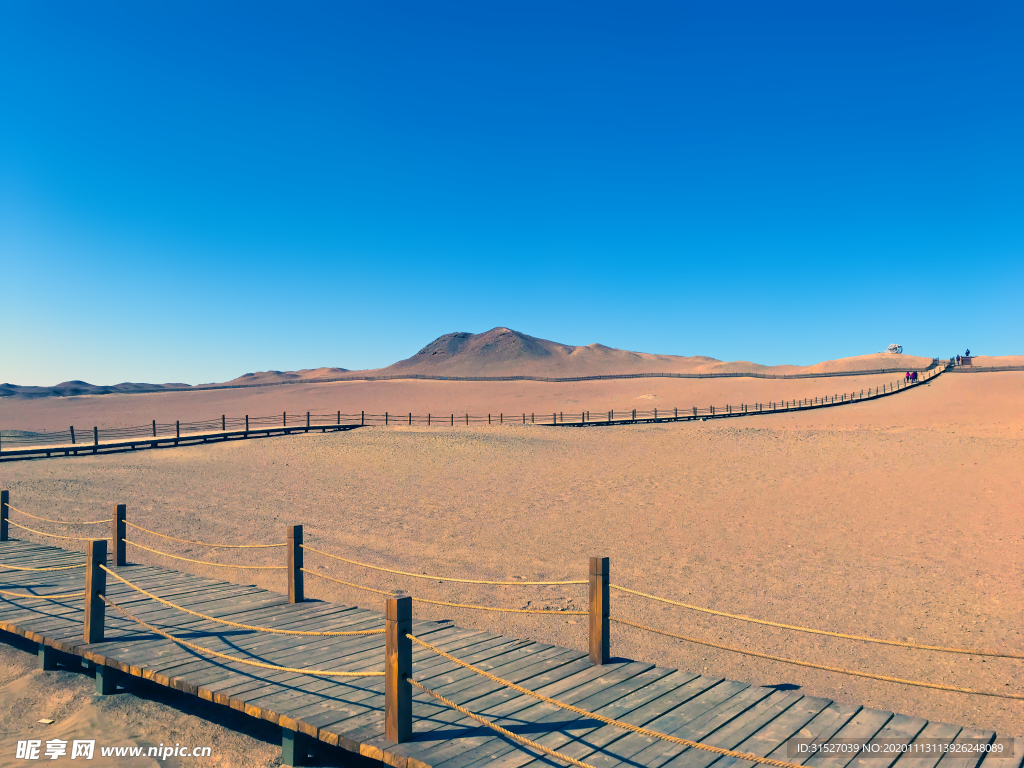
73	442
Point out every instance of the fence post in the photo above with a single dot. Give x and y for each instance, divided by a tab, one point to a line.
599	610
120	529
5	499
154	427
307	421
488	419
284	418
467	419
385	418
95	438
339	418
223	423
247	424
177	429
397	669
294	541
72	429
95	585
410	419
362	418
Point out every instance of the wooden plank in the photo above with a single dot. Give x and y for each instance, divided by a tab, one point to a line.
776	733
704	727
1014	759
942	732
865	724
603	739
286	703
237	641
342	733
424	665
196	631
959	760
509	709
632	744
899	727
557	728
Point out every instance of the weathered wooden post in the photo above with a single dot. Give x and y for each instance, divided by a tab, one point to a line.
397	669
294	541
467	419
385	418
634	414
410	419
177	429
5	500
428	419
695	411
655	413
488	419
362	418
599	636
307	421
95	438
247	424
154	427
72	430
223	423
95	585
119	531
339	418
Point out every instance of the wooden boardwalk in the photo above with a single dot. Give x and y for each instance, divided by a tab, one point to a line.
349	712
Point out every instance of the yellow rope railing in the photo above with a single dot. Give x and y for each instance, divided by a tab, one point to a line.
200	649
347	584
150	595
869	675
41	597
602	718
203	543
451	605
205	562
503	731
444	578
862	638
54	535
60	522
499	610
55	568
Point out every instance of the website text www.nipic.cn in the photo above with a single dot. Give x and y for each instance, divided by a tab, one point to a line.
86	749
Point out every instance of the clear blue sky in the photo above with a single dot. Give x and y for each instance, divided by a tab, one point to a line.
190	191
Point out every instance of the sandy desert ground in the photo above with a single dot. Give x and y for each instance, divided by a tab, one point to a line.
899	518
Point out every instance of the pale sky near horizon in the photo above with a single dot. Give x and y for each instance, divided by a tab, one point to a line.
193	191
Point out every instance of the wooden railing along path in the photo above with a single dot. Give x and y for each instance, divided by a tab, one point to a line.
75	442
416	693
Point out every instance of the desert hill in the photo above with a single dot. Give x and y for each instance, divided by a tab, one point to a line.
504	352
